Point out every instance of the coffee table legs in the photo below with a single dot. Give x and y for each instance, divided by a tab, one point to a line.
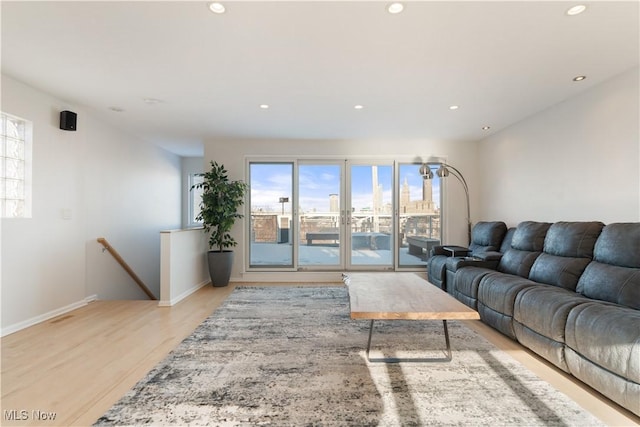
447	358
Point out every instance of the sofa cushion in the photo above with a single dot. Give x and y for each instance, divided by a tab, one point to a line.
517	262
487	236
526	245
539	319
611	283
568	248
572	239
614	273
558	271
544	309
465	284
608	335
496	297
529	236
603	351
619	244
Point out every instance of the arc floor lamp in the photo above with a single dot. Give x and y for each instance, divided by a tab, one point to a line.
444	171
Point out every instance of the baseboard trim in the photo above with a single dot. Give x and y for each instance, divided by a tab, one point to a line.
174	301
46	316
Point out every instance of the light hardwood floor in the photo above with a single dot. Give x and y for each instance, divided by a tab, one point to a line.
79	364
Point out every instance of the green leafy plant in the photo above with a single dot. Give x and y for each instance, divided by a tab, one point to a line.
221	199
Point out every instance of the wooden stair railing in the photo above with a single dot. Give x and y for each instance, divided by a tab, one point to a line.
126	267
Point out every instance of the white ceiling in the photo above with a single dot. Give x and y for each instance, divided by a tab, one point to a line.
312	62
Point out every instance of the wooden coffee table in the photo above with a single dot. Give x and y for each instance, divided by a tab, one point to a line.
403	296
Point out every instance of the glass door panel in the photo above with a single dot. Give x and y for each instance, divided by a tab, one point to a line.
371	215
271	194
419	215
320	222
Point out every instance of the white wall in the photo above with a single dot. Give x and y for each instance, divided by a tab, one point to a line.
114	185
184	266
133	191
233	155
576	161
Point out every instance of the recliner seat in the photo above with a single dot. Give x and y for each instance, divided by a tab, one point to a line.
497	291
486	236
540	312
475	269
603	336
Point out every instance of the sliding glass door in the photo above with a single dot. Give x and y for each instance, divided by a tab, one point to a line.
418	215
270	228
341	215
320	215
370	216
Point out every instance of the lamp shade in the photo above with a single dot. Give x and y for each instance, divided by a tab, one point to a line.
426	172
442	171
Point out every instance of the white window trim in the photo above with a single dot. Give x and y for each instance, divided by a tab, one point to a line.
28	168
191	212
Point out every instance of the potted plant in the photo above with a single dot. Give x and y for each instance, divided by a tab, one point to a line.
221	199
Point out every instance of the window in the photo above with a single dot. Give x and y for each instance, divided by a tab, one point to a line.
195	197
15	166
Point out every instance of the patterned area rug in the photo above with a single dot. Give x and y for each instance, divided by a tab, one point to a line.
291	356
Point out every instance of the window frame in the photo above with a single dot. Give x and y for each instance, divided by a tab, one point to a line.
192	209
296	161
27	169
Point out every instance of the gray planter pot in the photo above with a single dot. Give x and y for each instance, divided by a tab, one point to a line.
220	264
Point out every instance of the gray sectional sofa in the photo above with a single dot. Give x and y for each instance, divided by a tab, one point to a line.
568	291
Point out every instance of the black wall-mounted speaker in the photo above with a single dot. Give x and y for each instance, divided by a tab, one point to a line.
68	120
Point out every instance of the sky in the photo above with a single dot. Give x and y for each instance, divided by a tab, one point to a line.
271	181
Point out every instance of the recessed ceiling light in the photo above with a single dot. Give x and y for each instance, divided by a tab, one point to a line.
264	106
216	7
576	10
151	101
358	107
454	107
486	127
394	8
579	78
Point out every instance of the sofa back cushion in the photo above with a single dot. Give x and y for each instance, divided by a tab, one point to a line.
487	236
526	246
529	236
619	244
568	249
614	273
517	262
572	239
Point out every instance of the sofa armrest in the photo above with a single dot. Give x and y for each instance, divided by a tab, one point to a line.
488	256
453	264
